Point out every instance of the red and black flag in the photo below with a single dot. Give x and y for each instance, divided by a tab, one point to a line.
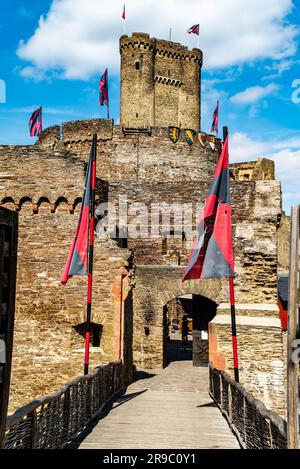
124	13
195	29
212	254
215	123
77	262
36	123
103	89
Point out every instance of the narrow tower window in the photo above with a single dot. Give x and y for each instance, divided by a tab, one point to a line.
96	335
137	65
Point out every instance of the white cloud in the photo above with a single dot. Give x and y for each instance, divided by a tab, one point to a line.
78	38
285	153
254	94
243	148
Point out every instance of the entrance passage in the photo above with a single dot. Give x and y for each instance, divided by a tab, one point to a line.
168	408
186	320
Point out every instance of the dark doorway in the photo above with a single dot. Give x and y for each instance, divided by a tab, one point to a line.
176	349
199	311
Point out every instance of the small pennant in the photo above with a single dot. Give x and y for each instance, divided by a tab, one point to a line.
189	135
174	133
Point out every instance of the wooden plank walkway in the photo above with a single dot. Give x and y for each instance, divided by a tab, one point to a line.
166	409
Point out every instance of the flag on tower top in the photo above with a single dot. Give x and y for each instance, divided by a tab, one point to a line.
215	123
36	123
194	29
212	253
124	13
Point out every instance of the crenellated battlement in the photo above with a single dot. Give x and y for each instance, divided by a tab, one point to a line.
160	47
70	134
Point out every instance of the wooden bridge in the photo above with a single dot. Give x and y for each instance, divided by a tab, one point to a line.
178	407
169	408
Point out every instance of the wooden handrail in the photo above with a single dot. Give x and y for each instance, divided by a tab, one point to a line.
70	409
277	428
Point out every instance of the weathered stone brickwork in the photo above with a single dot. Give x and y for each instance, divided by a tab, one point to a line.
46	189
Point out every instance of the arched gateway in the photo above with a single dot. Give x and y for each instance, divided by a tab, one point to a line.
190	313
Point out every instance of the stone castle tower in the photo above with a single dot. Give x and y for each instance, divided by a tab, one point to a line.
160	83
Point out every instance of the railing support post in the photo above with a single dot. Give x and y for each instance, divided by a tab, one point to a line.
33	435
67	414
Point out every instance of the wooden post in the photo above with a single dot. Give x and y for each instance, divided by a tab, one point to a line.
33	418
293	333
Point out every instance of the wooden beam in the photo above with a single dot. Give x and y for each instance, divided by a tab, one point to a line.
293	328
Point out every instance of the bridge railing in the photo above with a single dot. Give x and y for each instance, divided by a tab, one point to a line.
52	422
254	425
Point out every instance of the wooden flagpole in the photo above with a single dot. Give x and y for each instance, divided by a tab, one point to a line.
293	334
90	255
232	308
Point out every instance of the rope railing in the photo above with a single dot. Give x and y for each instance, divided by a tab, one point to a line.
52	422
254	425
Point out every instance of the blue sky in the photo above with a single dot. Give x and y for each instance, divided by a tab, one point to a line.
53	52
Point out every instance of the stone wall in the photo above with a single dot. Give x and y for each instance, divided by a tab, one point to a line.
132	157
283	239
46	189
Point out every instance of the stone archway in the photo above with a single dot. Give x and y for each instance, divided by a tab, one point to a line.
198	312
155	287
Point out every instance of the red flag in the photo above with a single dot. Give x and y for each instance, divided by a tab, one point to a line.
215	124
103	88
194	29
124	13
103	91
77	262
212	253
36	123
